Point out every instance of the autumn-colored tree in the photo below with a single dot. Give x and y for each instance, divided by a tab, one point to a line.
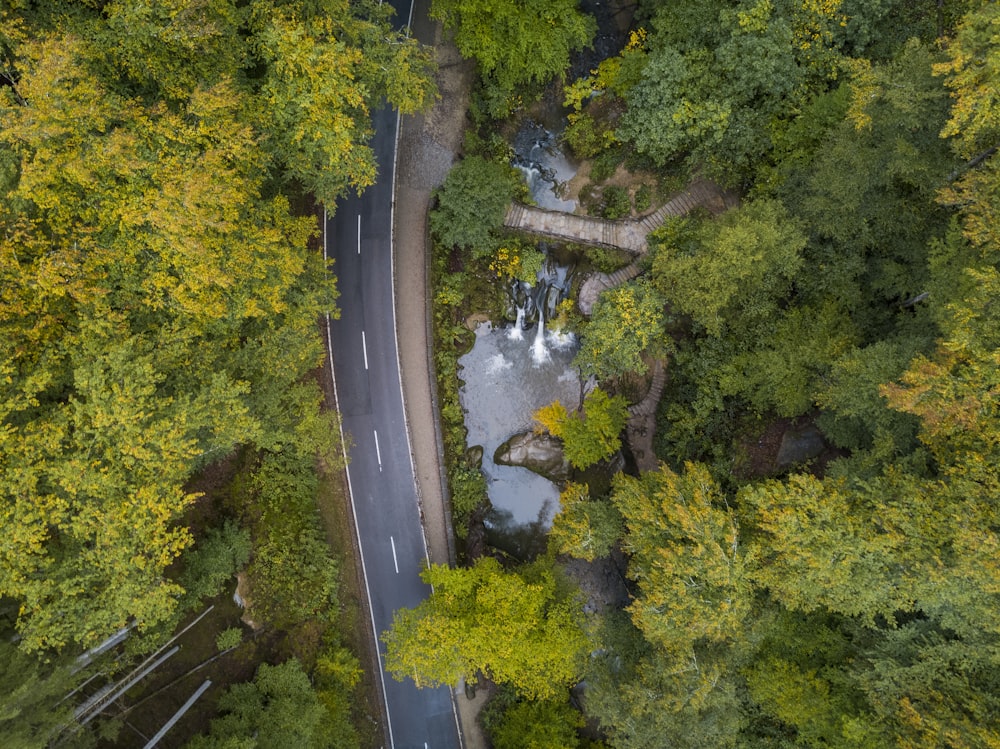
518	628
685	553
591	434
157	297
627	322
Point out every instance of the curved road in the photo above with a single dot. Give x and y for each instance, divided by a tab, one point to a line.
380	472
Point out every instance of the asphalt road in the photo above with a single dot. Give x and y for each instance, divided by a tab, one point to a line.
393	550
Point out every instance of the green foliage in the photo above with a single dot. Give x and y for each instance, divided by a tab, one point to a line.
685	552
584	528
159	298
216	557
292	576
518	628
516	43
538	724
736	269
627	322
472	202
615	202
972	71
335	677
643	198
587	137
29	691
722	80
228	638
278	708
468	490
590	436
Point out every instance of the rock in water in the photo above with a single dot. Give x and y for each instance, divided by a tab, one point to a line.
541	453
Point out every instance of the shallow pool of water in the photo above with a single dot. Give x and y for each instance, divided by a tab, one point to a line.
505	383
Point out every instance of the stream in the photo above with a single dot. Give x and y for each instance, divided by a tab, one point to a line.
515	368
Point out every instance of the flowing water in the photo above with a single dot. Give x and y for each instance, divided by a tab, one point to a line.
504	386
545	167
509	374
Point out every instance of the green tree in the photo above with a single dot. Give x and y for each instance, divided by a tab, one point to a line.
591	434
538	724
30	713
584	528
734	270
472	202
326	69
627	322
685	553
516	43
278	708
156	311
170	48
657	698
518	628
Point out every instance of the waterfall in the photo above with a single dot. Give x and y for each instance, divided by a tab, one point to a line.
515	332
539	352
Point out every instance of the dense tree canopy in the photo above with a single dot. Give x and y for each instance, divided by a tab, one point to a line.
846	596
517	628
516	43
157	297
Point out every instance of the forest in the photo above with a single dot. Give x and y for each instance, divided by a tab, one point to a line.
162	163
845	600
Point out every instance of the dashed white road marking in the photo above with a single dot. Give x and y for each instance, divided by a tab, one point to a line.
395	561
378	453
364	348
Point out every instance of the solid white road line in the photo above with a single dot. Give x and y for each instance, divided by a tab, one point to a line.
395	561
364	348
378	453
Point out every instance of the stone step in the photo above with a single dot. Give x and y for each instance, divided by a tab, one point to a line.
647	406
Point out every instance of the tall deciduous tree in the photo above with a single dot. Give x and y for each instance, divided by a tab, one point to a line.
584	528
157	297
627	322
519	629
279	707
686	556
591	434
735	270
516	42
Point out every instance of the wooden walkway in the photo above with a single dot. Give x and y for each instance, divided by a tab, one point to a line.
626	234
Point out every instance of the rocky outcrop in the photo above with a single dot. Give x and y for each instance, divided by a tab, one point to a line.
799	445
541	453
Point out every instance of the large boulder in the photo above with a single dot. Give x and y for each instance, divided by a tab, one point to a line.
799	445
541	453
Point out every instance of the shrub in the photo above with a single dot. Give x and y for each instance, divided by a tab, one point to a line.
229	638
643	198
616	202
